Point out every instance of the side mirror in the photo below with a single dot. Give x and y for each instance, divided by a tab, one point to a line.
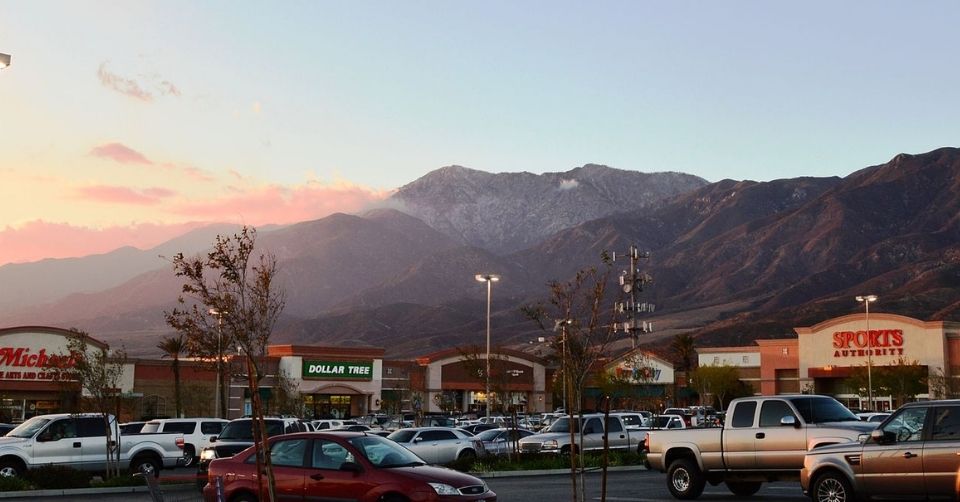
213	439
417	439
790	421
351	467
881	436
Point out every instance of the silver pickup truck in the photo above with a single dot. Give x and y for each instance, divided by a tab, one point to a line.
763	439
556	438
79	441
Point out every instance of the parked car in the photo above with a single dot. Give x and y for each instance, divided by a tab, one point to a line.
764	439
913	454
197	433
556	438
438	445
237	436
478	428
344	466
631	419
323	424
79	441
131	427
502	441
873	416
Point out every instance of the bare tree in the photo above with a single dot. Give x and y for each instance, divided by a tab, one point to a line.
99	373
241	287
174	347
586	324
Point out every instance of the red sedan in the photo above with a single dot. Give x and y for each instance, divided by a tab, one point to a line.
341	466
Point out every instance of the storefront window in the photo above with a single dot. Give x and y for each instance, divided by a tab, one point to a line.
328	405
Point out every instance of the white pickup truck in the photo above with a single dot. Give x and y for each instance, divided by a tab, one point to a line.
79	441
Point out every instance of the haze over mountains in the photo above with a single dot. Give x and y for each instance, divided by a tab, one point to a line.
734	260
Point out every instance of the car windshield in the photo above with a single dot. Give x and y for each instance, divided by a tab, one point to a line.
385	453
243	430
402	436
28	428
563	425
488	435
818	410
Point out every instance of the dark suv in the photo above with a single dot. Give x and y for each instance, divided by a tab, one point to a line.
238	436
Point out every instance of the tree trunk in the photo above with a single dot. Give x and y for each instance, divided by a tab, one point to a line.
264	466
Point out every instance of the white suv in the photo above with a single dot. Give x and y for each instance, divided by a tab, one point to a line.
196	433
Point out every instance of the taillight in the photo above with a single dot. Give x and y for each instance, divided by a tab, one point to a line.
180	442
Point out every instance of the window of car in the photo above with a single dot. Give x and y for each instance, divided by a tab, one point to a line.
181	427
329	455
286	453
907	424
819	410
613	425
61	429
946	423
211	427
151	427
593	426
91	427
771	412
402	436
437	435
743	414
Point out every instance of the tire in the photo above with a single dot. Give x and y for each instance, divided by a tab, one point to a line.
684	479
10	469
146	465
832	487
743	488
467	455
393	497
244	497
189	456
566	450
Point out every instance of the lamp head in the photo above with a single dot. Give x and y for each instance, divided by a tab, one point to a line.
4	61
867	298
487	277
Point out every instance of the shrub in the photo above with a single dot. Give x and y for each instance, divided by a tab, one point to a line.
14	484
57	477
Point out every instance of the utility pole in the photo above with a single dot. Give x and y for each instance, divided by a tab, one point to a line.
632	282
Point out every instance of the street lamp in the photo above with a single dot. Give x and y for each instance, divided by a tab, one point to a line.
489	279
562	326
219	314
4	61
866	300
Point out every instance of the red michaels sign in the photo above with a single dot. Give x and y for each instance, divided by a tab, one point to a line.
876	342
17	363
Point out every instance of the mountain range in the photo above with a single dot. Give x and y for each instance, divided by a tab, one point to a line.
731	260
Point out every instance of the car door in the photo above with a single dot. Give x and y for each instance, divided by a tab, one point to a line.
894	468
92	434
58	443
616	436
328	480
739	437
443	443
592	434
289	459
779	446
941	452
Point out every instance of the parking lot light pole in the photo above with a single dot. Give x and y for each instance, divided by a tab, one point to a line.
489	279
219	314
866	300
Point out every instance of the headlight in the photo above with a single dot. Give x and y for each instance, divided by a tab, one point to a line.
208	454
549	445
444	489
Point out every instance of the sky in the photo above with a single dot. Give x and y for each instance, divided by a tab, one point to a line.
128	123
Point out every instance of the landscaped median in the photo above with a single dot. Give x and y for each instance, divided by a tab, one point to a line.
530	463
60	481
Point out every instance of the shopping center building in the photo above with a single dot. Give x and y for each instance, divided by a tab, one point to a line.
822	358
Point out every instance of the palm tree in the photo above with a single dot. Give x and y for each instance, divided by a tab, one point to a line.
684	350
173	346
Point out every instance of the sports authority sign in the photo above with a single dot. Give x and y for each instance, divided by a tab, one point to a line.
876	342
338	370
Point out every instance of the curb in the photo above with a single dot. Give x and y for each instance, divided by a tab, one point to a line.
91	491
552	472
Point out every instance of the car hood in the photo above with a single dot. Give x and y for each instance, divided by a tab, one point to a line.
9	441
546	436
851	447
854	425
433	474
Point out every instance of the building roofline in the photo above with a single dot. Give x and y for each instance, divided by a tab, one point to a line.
876	316
52	331
459	351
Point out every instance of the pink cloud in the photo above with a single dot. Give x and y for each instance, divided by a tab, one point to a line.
120	153
124	195
282	205
39	239
123	85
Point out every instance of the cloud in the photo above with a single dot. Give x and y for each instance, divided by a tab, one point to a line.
39	239
120	153
124	195
569	184
282	205
142	91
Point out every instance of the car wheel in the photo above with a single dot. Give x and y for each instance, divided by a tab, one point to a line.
467	455
393	497
244	497
832	487
146	465
743	488
189	455
684	479
10	469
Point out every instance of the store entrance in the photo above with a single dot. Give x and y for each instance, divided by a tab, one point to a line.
328	405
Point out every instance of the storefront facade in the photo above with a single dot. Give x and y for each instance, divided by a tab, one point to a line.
640	380
27	386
